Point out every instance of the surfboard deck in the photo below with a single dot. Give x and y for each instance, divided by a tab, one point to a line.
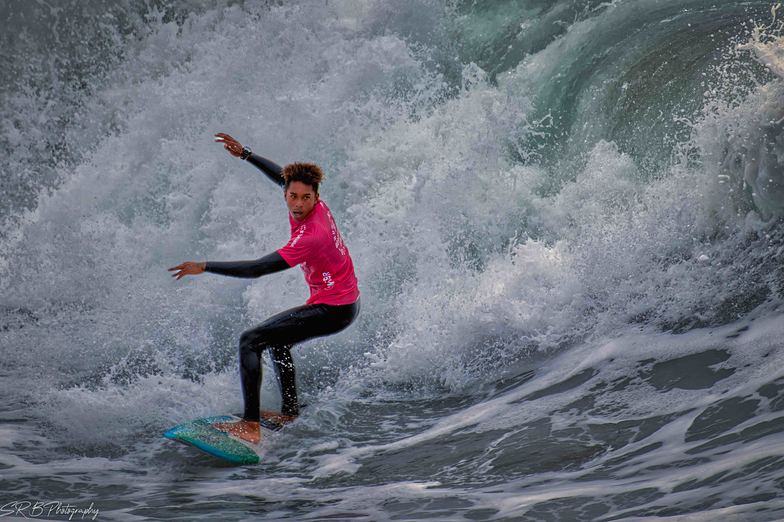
201	434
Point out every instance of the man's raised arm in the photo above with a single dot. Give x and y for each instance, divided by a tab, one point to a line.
235	148
271	169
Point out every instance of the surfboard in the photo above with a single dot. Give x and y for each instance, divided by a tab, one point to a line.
201	434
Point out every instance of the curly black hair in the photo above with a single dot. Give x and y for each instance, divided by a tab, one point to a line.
307	173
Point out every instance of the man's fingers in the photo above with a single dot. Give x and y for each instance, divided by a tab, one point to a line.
222	136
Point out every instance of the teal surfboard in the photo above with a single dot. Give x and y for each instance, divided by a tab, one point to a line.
201	434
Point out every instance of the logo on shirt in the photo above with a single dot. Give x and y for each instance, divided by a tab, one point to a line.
296	238
327	278
336	235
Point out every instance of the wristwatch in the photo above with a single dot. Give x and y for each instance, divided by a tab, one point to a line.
245	153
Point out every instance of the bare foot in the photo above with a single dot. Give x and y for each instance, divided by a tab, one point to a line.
246	430
277	418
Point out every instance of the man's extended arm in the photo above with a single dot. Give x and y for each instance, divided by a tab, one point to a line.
268	264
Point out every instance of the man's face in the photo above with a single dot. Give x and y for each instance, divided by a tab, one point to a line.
300	199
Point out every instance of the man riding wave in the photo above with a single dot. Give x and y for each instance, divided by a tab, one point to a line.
317	246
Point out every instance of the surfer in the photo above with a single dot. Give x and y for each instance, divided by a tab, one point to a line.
317	246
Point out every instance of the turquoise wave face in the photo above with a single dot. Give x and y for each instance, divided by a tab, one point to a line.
628	72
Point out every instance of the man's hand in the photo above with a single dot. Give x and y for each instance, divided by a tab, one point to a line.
188	268
230	144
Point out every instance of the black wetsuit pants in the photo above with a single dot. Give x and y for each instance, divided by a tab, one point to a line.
278	334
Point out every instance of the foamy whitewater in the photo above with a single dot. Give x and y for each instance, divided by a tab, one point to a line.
566	220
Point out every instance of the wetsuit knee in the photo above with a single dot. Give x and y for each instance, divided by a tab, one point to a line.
246	341
251	342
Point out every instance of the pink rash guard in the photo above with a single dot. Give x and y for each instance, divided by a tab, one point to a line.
317	246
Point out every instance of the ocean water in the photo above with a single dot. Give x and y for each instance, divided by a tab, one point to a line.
565	217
